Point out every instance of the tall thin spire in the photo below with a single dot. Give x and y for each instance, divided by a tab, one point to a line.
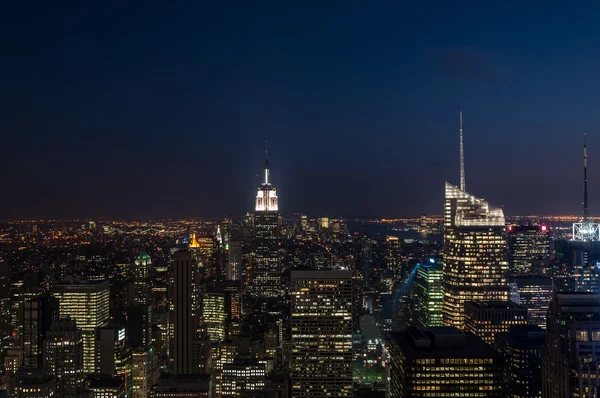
462	158
586	209
266	162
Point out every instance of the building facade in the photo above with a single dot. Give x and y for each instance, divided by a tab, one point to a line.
534	293
267	278
443	362
88	304
571	354
525	244
321	361
429	295
522	351
184	312
63	357
485	319
475	258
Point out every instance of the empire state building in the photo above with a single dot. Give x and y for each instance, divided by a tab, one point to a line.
267	272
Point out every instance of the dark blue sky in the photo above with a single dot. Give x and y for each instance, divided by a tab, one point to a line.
153	109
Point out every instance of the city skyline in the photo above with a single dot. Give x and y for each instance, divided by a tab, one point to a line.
98	104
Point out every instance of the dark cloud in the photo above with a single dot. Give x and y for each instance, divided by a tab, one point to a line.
470	64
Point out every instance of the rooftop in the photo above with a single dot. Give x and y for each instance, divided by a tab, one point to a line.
442	342
499	305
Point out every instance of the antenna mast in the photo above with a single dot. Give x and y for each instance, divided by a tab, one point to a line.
462	158
586	209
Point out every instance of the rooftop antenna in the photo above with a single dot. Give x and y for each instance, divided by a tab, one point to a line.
266	162
586	209
462	159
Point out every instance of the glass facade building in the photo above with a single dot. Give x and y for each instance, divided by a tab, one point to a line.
429	296
475	255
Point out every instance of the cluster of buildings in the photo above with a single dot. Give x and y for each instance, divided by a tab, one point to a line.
303	308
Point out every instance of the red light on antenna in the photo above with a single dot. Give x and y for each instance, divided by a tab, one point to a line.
510	228
544	228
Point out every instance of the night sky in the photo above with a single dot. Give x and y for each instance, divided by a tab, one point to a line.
159	110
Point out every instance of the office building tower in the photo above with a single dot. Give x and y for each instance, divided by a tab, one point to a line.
141	373
234	263
394	260
443	362
475	262
213	315
267	273
534	293
139	313
243	377
141	279
139	325
358	295
525	244
113	356
63	357
36	317
522	351
233	300
87	303
429	296
185	309
35	383
583	258
571	354
321	307
182	386
485	319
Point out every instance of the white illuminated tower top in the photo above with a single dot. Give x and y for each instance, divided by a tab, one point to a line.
266	197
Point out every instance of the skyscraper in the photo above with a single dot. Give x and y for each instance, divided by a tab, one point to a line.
485	319
321	364
521	347
267	279
571	354
394	261
475	262
63	357
234	263
534	293
87	303
443	362
525	244
184	312
37	316
429	296
141	278
213	315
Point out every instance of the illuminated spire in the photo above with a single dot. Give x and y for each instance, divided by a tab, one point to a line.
462	158
266	163
266	197
586	209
